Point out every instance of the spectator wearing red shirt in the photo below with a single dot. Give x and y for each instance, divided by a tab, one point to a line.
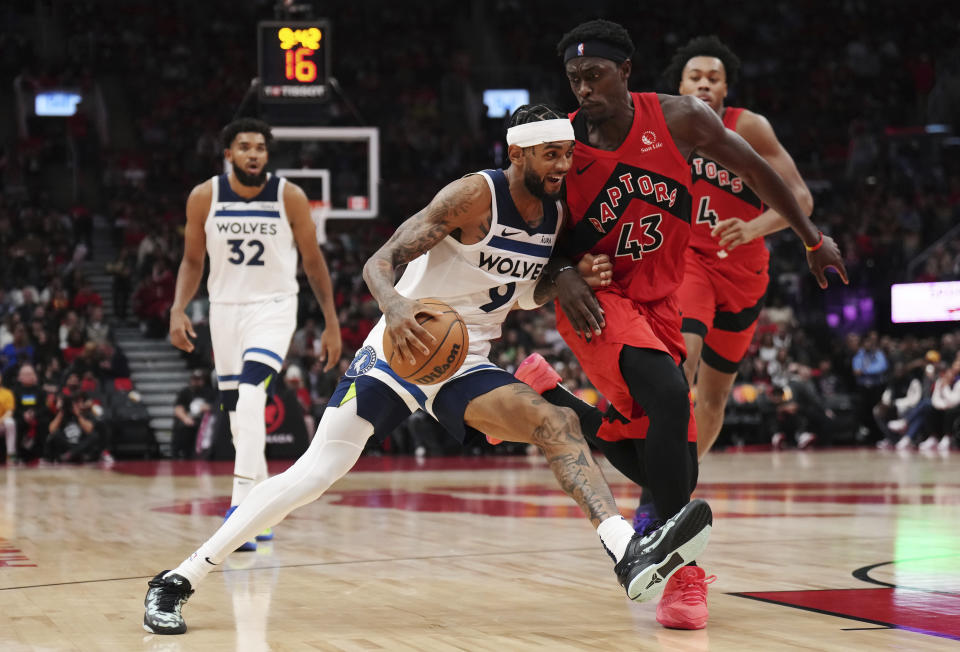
86	296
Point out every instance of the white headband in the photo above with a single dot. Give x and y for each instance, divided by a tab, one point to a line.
542	131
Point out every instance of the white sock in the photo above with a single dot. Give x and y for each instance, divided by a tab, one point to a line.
194	568
615	533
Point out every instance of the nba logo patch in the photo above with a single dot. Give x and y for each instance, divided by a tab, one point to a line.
364	361
579	49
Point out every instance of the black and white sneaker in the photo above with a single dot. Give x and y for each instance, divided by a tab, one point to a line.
650	560
164	599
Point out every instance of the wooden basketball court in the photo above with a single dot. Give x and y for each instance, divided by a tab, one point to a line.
838	550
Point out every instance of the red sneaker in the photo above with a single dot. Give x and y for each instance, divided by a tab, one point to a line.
684	601
537	372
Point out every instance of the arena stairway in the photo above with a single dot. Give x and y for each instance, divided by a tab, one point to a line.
158	373
156	368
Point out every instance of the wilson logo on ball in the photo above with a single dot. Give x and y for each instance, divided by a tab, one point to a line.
440	370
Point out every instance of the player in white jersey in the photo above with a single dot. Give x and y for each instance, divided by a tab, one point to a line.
251	224
480	245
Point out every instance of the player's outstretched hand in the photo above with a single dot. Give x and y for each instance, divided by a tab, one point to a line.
827	255
597	270
330	345
579	303
181	331
732	233
407	334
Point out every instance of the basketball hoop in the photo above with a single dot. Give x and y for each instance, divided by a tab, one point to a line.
319	211
316	182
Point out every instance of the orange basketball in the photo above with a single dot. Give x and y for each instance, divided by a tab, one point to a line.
446	354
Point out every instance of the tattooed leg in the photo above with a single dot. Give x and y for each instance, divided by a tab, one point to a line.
517	413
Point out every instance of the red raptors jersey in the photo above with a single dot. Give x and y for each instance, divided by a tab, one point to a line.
718	194
633	204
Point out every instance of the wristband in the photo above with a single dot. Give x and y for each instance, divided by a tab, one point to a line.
553	278
816	246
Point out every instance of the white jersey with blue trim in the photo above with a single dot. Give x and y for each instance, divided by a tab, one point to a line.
482	281
253	255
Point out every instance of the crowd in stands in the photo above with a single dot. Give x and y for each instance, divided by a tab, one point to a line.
847	110
942	263
58	357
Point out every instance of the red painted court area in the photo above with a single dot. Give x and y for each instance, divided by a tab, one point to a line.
925	612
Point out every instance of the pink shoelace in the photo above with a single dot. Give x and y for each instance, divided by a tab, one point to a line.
693	590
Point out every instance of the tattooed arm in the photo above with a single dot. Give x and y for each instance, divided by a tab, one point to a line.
463	205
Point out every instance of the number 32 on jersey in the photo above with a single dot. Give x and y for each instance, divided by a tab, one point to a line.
239	257
648	239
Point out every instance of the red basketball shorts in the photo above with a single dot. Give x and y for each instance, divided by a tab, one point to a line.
654	325
720	301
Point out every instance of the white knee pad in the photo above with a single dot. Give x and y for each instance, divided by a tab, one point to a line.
250	432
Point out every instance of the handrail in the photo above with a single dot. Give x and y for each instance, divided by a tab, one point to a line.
923	255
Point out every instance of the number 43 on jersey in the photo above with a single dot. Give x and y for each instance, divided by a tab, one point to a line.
649	238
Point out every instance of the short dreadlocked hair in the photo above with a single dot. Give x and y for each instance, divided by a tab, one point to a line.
599	30
702	46
245	125
533	113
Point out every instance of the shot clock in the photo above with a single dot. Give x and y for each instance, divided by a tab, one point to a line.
294	60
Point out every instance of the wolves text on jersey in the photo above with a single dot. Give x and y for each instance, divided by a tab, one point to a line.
247	228
507	266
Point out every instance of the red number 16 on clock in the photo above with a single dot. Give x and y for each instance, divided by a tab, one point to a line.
299	66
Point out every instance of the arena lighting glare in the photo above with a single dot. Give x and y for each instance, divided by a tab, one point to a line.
502	102
56	103
924	302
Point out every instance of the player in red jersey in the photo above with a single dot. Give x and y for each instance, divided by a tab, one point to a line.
726	264
629	193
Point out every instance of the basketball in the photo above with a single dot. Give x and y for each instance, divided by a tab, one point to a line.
446	354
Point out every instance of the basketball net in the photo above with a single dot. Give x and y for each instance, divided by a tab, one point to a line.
319	211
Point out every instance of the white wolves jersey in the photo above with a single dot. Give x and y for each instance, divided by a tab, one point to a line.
253	256
482	281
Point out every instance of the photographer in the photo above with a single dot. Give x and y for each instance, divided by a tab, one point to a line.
76	434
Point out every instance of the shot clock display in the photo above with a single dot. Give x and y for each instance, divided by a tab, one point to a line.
294	61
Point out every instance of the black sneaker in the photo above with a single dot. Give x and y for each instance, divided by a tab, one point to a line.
164	599
650	560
